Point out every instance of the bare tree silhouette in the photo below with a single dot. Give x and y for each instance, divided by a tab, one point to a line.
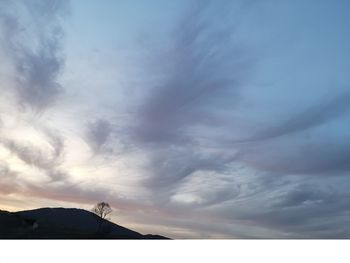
102	209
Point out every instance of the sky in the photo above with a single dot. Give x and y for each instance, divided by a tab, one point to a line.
192	119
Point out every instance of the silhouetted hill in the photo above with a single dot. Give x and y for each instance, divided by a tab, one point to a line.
62	223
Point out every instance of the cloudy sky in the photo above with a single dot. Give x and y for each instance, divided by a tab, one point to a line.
193	119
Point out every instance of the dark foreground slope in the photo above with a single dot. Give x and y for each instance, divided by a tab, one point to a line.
62	223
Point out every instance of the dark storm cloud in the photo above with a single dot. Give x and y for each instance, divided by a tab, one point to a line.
32	35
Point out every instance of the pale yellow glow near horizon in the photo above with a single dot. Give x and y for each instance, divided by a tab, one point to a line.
4	153
80	166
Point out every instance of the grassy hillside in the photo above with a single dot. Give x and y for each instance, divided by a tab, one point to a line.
62	223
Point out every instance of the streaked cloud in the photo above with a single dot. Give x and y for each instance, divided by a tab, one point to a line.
228	120
32	35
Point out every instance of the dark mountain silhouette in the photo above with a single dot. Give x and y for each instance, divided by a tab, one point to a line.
63	223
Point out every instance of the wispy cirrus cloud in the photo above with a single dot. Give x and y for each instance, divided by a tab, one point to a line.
326	110
98	133
32	35
236	124
206	63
